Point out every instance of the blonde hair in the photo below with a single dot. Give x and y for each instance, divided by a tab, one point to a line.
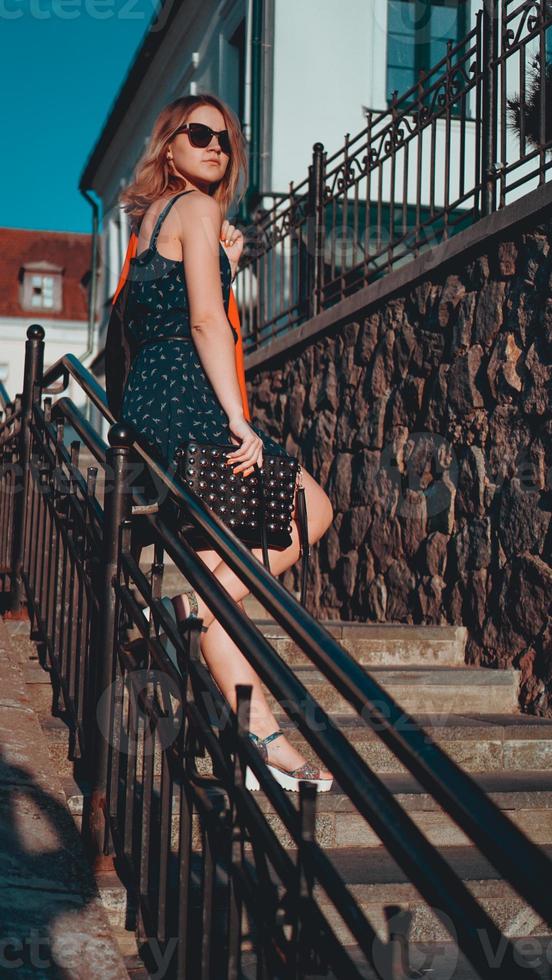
152	176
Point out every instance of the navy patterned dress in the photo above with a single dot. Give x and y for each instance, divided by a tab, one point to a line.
167	395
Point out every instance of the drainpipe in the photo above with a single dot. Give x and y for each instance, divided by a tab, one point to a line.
94	276
243	211
256	78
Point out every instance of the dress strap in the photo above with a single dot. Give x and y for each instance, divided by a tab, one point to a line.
163	215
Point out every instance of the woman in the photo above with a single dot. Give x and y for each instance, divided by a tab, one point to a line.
177	389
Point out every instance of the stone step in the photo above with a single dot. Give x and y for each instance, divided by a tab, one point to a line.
376	880
375	644
439	960
527	796
379	883
425	690
381	645
478	743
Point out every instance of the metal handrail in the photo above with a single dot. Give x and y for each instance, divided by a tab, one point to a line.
442	777
5	400
507	847
444	891
353	682
69	366
519	860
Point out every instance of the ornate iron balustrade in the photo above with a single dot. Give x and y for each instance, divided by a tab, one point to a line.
162	757
440	157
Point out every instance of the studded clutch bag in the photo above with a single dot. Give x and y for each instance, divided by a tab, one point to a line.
258	508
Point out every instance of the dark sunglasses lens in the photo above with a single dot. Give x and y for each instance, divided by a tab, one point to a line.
224	141
200	135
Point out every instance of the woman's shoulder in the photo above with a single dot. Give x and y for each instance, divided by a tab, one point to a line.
197	208
197	201
179	198
195	204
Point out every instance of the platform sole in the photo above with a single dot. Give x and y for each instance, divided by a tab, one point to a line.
286	781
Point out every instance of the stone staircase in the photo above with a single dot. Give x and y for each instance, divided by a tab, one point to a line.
470	712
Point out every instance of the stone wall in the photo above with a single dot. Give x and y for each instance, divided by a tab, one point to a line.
428	422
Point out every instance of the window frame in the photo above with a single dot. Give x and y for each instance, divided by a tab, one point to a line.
31	273
422	46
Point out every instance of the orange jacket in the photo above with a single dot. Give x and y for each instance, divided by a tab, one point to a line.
232	313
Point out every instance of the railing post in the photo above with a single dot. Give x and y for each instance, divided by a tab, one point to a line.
308	958
490	105
315	231
117	508
32	378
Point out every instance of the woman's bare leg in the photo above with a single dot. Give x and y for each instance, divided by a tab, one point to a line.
227	664
320	516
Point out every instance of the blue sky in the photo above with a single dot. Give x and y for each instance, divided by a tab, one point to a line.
58	78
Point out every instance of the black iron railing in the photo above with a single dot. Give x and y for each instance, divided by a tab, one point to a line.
10	414
162	756
444	154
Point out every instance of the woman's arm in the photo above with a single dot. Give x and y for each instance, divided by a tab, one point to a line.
199	231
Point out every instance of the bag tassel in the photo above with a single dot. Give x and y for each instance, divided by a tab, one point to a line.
303	526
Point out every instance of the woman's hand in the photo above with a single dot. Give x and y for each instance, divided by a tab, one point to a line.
251	449
232	242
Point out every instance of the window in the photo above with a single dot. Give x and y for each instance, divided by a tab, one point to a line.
41	287
417	35
42	292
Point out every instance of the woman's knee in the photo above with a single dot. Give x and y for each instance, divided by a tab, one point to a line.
328	512
324	515
319	509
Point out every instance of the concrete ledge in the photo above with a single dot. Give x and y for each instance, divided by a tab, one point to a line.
535	206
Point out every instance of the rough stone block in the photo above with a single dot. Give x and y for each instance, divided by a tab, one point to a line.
464	381
501	370
523	520
489	313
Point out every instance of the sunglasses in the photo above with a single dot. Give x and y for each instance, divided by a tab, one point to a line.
201	135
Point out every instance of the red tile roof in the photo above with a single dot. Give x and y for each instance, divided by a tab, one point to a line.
68	250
